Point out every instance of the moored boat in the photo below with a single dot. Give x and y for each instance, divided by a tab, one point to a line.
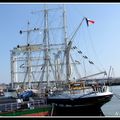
74	91
2	92
84	97
28	108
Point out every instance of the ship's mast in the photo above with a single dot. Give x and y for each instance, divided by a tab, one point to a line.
67	47
46	42
29	70
64	25
28	55
41	70
45	45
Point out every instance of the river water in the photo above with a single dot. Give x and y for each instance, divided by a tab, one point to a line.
112	108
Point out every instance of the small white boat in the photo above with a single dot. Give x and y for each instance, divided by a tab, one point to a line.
1	92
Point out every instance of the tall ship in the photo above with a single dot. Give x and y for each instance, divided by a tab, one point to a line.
72	86
53	65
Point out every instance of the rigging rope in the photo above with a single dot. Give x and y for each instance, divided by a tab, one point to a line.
80	52
93	48
116	95
85	57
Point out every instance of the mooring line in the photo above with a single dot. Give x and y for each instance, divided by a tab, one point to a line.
52	109
118	96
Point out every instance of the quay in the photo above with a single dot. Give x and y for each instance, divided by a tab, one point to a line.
110	81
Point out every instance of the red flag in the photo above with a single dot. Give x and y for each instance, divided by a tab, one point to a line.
89	22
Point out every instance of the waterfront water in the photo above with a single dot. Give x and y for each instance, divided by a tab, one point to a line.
112	108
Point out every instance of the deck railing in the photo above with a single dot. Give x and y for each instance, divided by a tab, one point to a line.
24	105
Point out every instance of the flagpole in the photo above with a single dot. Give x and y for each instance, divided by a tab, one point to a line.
77	29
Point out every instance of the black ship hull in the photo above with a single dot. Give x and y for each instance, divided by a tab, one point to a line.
77	111
93	101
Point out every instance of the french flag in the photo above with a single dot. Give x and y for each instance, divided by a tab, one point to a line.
89	22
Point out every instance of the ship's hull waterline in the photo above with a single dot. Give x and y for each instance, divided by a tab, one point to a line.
82	101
